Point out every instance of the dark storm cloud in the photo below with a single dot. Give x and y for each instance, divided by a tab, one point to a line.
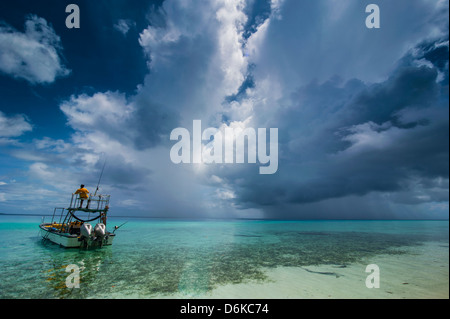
344	139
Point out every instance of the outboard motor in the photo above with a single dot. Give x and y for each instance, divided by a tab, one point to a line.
100	230
100	233
86	230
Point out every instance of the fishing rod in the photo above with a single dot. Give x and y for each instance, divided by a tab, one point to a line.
100	178
117	227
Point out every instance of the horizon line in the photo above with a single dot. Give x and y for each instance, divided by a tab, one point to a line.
247	218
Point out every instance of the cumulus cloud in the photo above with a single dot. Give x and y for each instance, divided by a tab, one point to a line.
196	53
106	112
33	55
105	124
13	126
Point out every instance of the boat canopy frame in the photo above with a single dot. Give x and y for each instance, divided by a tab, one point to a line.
99	204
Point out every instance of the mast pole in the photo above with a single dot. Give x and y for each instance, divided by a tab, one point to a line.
101	174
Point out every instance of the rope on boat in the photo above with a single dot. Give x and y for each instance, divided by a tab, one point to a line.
82	220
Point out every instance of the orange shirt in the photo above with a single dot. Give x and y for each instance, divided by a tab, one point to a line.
83	193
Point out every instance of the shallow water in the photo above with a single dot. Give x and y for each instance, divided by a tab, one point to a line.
163	258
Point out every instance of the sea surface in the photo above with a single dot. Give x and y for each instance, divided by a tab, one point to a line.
156	258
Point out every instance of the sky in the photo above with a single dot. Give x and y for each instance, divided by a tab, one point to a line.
361	113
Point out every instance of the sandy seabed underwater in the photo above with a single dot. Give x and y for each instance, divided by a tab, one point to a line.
155	258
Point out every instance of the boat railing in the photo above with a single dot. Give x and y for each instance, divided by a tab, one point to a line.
55	215
97	202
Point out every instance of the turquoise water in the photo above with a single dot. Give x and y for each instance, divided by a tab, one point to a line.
153	258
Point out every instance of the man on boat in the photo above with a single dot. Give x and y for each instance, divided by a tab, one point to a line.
83	195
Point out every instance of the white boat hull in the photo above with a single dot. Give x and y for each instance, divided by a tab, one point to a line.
72	241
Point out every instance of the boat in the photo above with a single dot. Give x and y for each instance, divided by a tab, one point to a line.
72	227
